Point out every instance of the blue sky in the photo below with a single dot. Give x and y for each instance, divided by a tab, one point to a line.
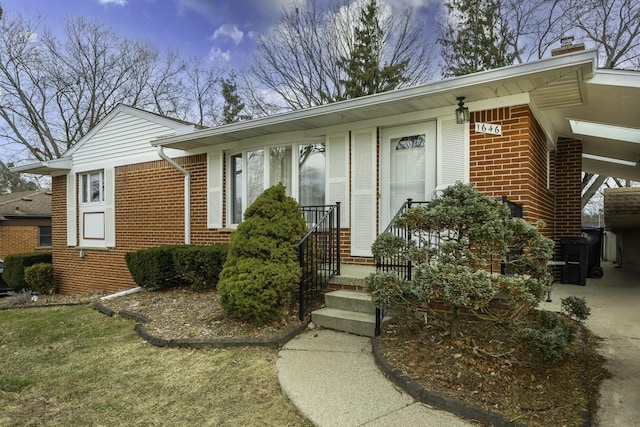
223	31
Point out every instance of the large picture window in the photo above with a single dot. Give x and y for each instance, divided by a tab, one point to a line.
299	167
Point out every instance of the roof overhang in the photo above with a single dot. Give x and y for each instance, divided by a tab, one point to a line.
563	74
50	167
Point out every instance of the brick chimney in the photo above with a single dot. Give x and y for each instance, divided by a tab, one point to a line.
567	46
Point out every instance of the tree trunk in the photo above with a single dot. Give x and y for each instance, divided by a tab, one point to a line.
455	322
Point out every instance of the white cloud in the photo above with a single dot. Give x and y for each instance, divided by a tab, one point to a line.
228	31
216	54
116	2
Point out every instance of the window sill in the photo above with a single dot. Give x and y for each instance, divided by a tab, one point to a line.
91	248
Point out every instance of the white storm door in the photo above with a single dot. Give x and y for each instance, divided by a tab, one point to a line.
408	161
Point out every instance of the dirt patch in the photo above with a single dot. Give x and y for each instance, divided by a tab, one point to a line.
489	366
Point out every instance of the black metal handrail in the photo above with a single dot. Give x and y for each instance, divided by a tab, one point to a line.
318	252
402	265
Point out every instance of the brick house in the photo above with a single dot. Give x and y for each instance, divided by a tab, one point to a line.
25	222
139	180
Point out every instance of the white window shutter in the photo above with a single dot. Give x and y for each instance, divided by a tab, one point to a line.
338	174
363	192
214	190
110	207
453	153
72	225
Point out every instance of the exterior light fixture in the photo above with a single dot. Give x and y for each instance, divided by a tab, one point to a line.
462	112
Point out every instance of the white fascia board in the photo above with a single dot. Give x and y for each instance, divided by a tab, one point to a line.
49	167
622	78
584	59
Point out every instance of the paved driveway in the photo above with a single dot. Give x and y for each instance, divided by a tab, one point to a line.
615	316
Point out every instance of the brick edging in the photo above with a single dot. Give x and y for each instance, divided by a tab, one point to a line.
439	400
271	342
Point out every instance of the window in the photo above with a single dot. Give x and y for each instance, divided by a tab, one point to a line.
301	171
44	239
92	187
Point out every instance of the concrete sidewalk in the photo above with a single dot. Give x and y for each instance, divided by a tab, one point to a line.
332	378
615	316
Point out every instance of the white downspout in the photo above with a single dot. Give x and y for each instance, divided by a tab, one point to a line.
187	193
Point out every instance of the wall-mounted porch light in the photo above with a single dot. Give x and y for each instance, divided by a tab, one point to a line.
462	112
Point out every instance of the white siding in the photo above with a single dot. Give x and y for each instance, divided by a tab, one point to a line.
338	174
125	139
452	153
363	192
214	190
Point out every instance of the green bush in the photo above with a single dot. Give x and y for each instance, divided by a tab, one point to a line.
262	270
171	266
39	277
14	266
576	308
154	268
200	266
551	341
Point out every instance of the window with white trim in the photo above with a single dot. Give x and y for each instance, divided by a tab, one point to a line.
92	187
299	167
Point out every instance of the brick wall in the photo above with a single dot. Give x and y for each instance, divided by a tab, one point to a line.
568	182
18	239
149	212
513	164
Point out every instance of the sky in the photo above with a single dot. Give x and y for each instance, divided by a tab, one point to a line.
221	31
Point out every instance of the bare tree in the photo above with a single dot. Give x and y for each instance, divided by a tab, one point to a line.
614	27
298	59
54	90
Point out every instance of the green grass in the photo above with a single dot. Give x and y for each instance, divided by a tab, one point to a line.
72	366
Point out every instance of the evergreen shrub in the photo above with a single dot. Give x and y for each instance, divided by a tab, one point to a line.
199	266
262	271
14	266
39	278
154	268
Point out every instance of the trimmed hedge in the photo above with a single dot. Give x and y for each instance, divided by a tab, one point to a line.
39	277
200	266
14	266
171	266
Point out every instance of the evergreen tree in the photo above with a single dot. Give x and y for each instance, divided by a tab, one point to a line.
233	106
11	182
364	69
475	38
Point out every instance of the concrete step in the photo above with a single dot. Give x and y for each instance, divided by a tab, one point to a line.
347	321
359	302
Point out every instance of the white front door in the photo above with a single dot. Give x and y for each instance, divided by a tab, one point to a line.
408	162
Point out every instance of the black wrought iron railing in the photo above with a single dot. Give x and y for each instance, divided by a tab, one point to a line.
402	265
318	252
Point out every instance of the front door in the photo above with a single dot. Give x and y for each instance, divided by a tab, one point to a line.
408	161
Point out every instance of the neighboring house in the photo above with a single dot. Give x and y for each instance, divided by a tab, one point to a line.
622	217
114	193
25	222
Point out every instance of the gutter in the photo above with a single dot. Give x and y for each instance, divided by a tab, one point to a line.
187	193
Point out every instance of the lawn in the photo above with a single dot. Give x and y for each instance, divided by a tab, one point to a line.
72	366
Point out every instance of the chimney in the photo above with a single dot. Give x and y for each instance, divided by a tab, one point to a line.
567	46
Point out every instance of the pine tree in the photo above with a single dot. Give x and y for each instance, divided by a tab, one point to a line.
365	72
233	106
476	37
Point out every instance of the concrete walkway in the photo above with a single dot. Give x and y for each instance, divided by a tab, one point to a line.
332	378
615	316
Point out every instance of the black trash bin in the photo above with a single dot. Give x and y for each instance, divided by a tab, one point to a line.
594	236
575	255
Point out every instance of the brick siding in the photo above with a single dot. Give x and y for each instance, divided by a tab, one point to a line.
18	240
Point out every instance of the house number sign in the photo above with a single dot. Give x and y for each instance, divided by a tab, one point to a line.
488	128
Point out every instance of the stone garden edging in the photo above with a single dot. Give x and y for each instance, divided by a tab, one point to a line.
271	342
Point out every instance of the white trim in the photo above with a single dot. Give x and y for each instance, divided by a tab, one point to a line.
72	224
337	174
363	191
214	189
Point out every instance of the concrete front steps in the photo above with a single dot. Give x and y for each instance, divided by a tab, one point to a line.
348	311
